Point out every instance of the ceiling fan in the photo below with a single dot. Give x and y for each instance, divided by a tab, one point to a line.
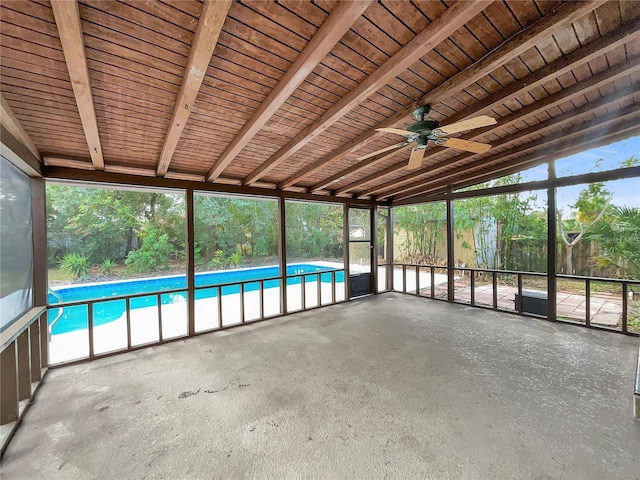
425	130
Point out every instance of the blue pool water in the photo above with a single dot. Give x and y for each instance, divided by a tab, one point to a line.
75	317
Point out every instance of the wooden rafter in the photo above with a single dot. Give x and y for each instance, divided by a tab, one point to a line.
368	163
593	127
67	17
534	130
330	33
439	30
514	46
434	194
595	49
558	98
625	130
214	13
13	126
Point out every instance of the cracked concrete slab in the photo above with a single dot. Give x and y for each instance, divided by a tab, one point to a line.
391	385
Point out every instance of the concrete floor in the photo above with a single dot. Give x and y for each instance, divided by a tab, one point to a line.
392	385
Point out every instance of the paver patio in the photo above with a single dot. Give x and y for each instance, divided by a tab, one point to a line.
605	310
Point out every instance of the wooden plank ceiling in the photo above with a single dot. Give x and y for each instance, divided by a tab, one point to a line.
288	95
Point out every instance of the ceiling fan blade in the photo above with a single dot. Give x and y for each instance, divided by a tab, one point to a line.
415	159
476	122
397	131
382	150
466	145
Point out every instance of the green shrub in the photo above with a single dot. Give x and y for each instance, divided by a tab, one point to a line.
154	253
218	261
76	264
234	259
107	266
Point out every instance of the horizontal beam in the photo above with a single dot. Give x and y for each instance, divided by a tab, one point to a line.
567	147
91	176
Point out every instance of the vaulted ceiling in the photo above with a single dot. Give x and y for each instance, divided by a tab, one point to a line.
289	95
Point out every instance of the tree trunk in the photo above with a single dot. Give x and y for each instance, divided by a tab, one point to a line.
569	260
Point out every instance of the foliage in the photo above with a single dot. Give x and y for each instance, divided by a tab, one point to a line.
228	224
423	227
234	259
590	207
218	260
500	231
106	223
619	237
76	264
314	230
107	266
154	253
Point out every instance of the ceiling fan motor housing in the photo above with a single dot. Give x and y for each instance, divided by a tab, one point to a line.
423	128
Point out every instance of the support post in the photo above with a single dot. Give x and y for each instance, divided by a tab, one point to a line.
24	366
39	235
282	252
390	251
191	268
345	251
373	251
450	244
551	244
8	385
34	351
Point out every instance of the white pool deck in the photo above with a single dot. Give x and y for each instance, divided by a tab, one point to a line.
145	327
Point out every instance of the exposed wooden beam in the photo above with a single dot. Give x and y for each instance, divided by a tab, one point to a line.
214	13
70	173
18	154
630	32
629	129
622	132
439	30
596	81
67	17
14	127
604	176
511	48
449	177
552	143
368	163
327	36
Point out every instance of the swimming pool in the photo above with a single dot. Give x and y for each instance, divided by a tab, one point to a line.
75	317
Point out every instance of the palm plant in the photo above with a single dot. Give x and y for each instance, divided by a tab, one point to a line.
76	264
107	266
619	236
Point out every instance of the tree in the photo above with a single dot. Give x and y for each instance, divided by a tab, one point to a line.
590	207
106	223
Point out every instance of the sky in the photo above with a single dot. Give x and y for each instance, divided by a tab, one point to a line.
626	192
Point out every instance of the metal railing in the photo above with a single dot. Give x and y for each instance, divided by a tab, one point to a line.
216	316
23	364
467	280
